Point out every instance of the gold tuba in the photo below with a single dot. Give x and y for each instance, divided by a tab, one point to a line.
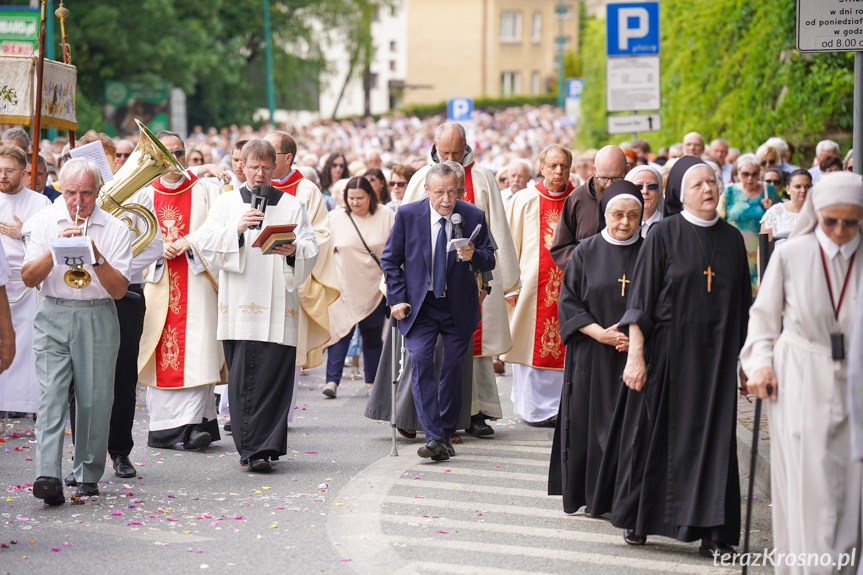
149	160
76	276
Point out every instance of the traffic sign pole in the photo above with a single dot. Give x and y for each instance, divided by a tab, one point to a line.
857	139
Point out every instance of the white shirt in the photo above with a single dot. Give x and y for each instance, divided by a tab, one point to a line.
108	233
4	267
435	229
645	225
152	251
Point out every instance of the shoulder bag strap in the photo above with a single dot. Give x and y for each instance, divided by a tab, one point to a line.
362	239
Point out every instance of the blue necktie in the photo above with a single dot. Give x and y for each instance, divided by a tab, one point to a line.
439	264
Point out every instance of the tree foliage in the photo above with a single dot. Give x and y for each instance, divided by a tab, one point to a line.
730	69
213	50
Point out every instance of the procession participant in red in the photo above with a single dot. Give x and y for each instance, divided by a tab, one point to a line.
180	359
537	352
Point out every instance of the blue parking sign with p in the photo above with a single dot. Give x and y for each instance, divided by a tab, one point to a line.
632	29
459	109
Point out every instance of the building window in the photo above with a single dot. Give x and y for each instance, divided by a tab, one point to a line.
568	10
392	46
394	11
534	83
510	84
376	15
537	27
510	27
392	65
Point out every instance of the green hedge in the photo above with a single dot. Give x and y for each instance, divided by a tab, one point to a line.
730	69
423	110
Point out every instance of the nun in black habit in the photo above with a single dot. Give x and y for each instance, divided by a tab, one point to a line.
670	466
596	287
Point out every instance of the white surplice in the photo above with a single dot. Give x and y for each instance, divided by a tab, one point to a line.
19	388
815	482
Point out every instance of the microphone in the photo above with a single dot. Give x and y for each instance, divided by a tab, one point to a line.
260	197
457	223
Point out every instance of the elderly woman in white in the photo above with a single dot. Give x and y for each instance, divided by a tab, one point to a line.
795	355
649	180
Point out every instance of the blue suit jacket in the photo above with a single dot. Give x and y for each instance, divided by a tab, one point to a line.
407	262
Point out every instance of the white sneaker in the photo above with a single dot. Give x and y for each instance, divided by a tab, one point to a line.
330	389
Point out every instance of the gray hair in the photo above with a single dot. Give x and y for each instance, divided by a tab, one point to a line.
168	134
16	133
747	159
439	171
825	145
76	168
440	130
678	147
720	141
520	162
310	174
458	169
779	144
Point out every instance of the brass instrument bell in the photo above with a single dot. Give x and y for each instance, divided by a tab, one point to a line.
76	276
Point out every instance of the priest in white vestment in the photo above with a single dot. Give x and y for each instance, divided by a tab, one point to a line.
19	388
537	353
795	355
259	305
492	337
179	359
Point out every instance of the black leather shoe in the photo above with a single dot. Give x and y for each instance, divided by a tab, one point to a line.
227	427
70	480
436	449
50	490
198	440
450	450
716	549
123	467
479	428
630	537
87	490
260	466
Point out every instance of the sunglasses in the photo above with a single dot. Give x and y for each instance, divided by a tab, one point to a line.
372	178
398	184
651	187
774	183
748	174
847	224
179	153
768	163
123	154
340	166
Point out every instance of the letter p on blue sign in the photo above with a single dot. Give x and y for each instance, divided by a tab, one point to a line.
459	109
632	29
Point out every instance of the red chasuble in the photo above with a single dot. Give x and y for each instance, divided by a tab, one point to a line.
548	349
469	197
289	184
174	211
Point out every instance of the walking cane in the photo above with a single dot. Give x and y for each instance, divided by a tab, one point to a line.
397	363
765	248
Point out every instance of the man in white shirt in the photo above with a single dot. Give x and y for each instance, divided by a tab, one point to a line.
77	330
518	175
822	150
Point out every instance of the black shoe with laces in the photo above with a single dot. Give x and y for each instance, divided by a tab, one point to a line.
50	490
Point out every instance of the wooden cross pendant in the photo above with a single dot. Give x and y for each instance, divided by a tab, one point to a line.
623	281
709	273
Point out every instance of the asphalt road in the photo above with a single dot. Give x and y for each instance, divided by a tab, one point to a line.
339	503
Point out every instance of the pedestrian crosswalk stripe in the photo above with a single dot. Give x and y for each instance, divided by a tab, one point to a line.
565	555
538	477
498	447
520	530
532	511
485	489
462	456
433	567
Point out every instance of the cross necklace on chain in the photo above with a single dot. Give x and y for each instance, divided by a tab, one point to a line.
709	271
622	281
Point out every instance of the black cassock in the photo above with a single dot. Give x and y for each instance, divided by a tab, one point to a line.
591	293
670	466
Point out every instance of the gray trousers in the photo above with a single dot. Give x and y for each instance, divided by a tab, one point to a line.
75	339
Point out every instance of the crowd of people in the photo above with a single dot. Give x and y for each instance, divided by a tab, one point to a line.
616	284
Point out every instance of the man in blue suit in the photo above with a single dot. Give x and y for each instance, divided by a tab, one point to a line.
441	289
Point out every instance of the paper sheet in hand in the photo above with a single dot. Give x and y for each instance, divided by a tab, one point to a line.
458	243
96	154
72	251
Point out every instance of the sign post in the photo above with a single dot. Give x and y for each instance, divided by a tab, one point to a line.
834	26
632	66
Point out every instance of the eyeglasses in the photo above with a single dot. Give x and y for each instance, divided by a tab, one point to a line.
261	169
398	184
178	153
847	224
123	154
10	172
749	174
340	166
774	183
651	187
283	153
768	163
631	216
502	180
372	178
607	180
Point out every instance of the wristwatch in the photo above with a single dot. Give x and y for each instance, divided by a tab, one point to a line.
486	289
99	262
